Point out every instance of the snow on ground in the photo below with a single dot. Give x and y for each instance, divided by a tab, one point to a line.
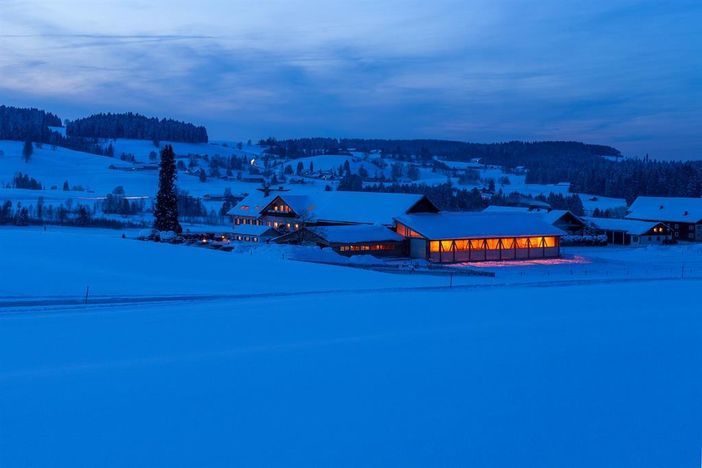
52	167
71	259
593	202
142	148
580	376
64	261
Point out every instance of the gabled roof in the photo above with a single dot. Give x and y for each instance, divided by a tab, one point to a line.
630	226
341	207
679	210
463	225
355	233
251	205
549	216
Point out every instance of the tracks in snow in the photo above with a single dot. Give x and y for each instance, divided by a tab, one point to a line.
12	305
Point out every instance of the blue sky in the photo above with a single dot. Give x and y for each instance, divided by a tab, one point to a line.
619	72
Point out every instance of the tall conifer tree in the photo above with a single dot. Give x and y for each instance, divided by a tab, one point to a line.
166	211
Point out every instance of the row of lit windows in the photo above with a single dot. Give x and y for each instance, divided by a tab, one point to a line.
288	226
246	238
282	208
493	244
366	247
658	229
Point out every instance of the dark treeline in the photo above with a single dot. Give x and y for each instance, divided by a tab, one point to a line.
556	201
67	214
32	125
450	198
445	196
27	124
546	162
508	154
136	126
627	178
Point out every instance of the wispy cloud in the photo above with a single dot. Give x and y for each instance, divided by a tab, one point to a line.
627	72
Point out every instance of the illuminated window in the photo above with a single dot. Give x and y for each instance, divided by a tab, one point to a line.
462	244
404	231
522	242
493	244
550	241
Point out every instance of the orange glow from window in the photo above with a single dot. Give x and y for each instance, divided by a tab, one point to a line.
493	244
550	241
507	243
404	231
522	242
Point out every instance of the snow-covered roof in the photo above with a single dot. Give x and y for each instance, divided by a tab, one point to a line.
630	226
549	216
679	210
592	202
251	205
462	225
340	207
251	229
355	233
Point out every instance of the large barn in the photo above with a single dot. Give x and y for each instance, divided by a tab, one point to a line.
472	237
682	215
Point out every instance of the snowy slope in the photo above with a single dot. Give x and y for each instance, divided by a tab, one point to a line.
480	378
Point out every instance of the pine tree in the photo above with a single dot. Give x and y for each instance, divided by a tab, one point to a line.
27	151
166	211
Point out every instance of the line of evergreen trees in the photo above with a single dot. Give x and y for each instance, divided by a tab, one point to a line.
136	126
627	178
509	154
27	124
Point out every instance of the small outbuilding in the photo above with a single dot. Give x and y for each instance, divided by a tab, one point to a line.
565	220
631	232
361	239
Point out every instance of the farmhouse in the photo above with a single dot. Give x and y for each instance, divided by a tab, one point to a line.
682	215
363	239
469	237
562	219
631	232
290	211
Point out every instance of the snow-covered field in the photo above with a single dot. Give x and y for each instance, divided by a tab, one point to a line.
386	370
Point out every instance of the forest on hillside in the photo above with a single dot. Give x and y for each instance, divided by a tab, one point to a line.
26	124
136	126
508	154
594	169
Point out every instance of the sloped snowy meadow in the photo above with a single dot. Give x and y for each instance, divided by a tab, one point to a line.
388	373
